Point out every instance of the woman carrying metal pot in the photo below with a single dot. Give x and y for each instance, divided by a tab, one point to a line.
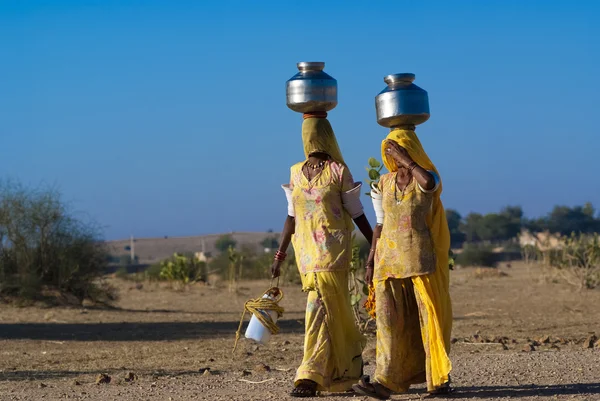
323	202
408	268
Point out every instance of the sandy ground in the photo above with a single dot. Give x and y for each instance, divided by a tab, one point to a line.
515	335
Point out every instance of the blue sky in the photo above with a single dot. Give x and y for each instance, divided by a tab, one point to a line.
168	117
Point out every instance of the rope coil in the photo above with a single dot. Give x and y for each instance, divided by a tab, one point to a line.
258	307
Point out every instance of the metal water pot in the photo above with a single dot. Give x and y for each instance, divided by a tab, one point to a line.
311	89
402	102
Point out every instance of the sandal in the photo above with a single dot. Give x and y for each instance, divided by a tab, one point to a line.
373	390
444	390
305	389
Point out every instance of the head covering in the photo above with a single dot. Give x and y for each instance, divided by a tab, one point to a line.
409	141
438	223
318	136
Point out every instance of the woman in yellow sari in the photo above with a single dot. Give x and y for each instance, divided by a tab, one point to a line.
323	201
408	267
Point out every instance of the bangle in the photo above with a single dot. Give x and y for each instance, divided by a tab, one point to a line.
412	166
280	256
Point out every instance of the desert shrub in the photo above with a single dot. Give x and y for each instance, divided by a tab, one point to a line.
578	260
225	242
270	243
122	273
152	273
290	273
44	248
476	255
181	269
125	260
243	264
357	286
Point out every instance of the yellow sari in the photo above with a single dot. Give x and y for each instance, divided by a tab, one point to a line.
333	344
414	314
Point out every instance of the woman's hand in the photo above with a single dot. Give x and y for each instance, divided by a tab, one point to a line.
369	273
276	268
398	153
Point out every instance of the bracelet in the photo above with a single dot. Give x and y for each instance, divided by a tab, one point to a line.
280	256
412	166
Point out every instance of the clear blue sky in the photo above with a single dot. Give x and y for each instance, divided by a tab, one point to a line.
169	118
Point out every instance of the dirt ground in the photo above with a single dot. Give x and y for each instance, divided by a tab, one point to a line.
515	336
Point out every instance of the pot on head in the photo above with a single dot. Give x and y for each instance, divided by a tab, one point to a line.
402	103
311	89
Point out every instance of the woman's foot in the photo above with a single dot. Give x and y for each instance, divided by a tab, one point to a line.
305	389
442	391
373	390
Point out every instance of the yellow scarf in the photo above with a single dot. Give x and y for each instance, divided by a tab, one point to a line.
318	136
438	225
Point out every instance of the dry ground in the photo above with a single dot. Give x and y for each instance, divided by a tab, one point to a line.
167	339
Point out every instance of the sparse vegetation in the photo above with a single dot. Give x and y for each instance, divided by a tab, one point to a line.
576	260
45	249
181	270
270	243
358	288
474	255
225	242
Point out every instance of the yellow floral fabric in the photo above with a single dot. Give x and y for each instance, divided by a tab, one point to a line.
438	225
399	301
405	248
322	240
400	352
333	345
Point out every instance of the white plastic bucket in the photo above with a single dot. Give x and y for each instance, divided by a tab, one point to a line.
377	199
256	331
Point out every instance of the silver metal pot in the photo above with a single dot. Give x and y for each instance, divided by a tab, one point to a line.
402	103
311	89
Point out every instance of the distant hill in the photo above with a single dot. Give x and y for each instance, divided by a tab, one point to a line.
153	250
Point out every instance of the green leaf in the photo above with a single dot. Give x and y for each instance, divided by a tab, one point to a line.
374	162
365	289
374	174
355	298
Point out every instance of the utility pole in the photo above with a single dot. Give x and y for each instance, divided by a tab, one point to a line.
132	249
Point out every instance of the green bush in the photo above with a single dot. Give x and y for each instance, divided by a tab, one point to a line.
579	258
122	273
152	273
225	242
181	269
44	248
476	255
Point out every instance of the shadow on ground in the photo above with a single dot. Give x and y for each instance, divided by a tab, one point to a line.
526	391
38	375
152	331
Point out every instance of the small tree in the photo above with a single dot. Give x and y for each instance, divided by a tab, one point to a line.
270	243
457	237
225	242
43	246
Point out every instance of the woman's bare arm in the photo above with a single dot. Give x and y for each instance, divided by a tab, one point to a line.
289	228
365	228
